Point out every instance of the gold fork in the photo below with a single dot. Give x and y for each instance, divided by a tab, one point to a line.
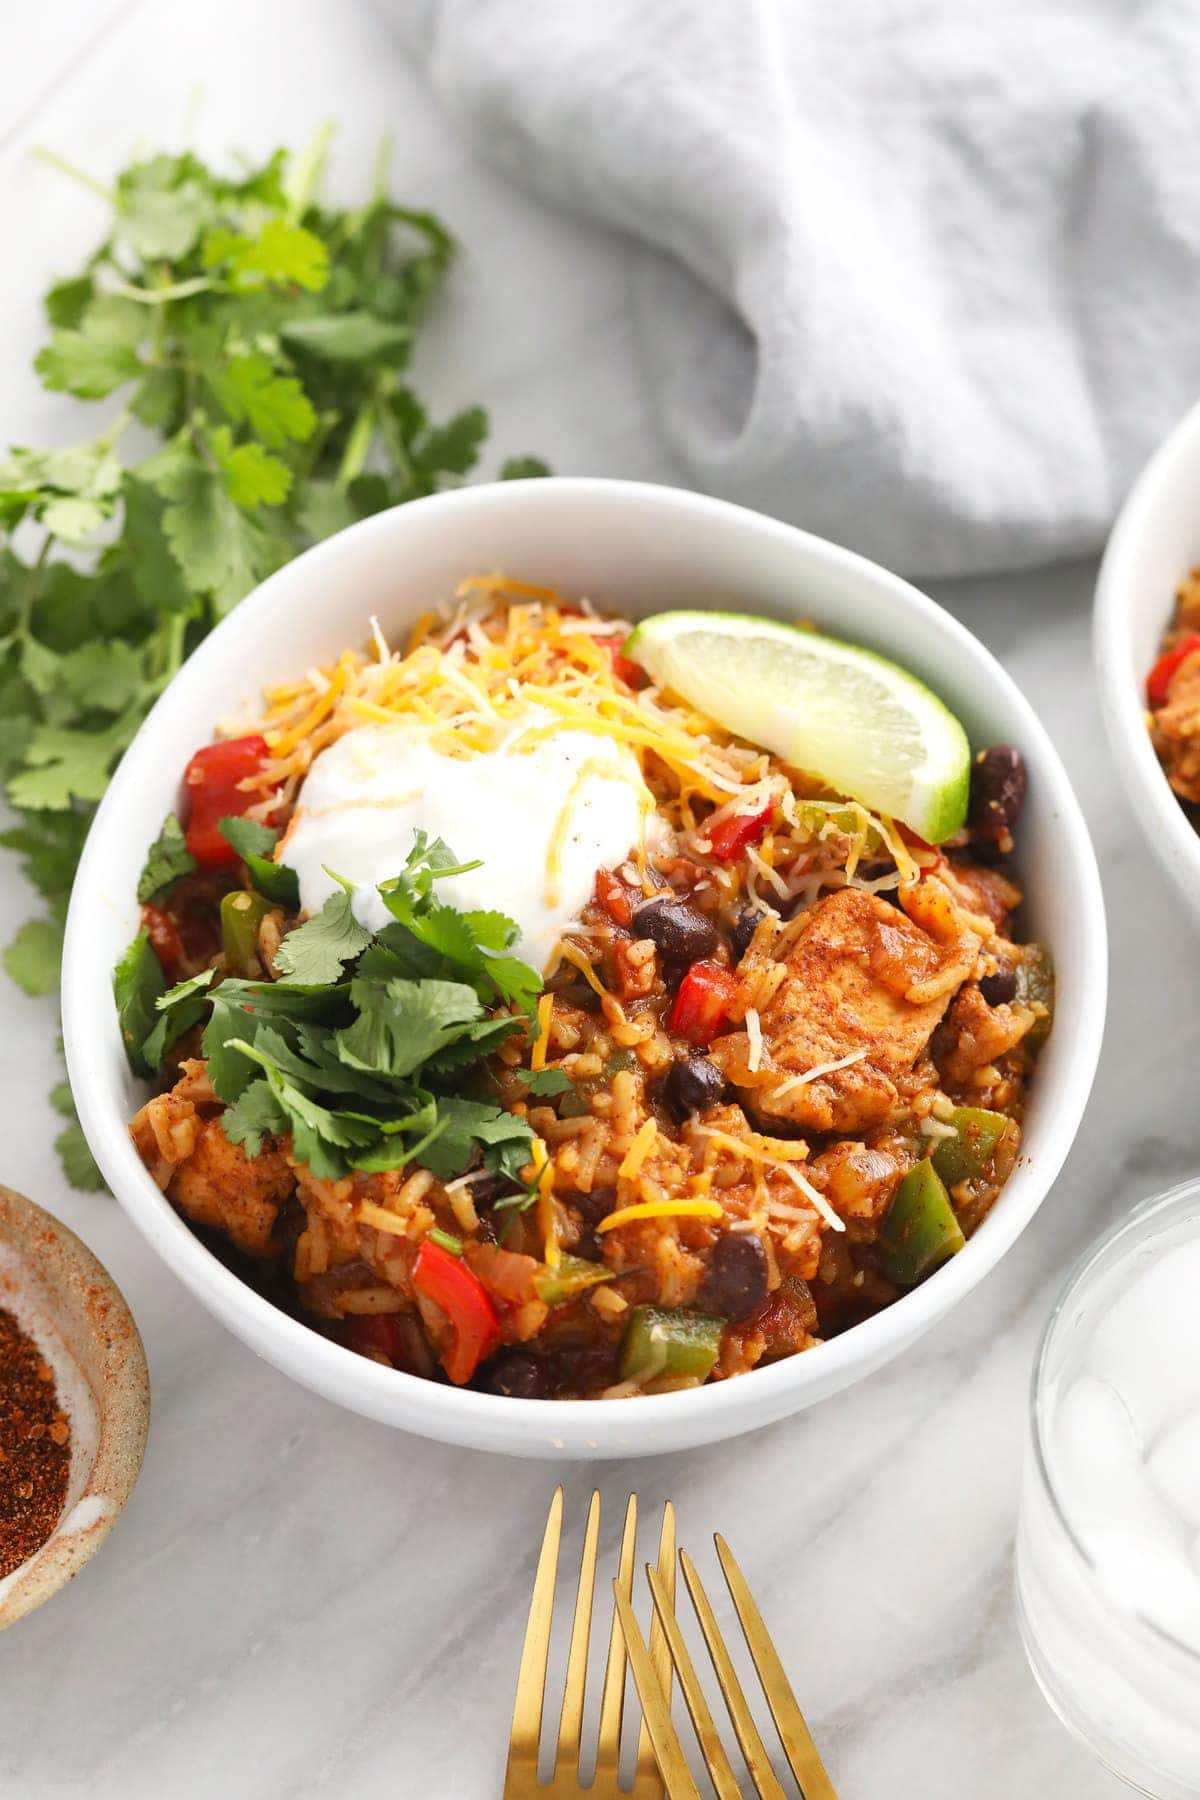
521	1778
794	1734
660	1758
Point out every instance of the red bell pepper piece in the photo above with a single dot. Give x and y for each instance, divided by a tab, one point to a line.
631	673
165	940
703	1001
1158	682
475	1329
212	779
613	896
728	839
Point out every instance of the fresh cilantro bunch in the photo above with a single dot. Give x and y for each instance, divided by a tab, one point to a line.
370	1052
262	337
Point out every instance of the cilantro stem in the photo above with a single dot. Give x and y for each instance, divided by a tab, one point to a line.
64	167
305	178
358	444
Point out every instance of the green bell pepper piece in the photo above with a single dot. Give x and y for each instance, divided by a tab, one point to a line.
571	1275
241	916
688	1342
970	1153
814	814
1035	987
920	1230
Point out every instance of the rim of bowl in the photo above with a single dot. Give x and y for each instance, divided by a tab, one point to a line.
464	1416
1172	837
1127	1236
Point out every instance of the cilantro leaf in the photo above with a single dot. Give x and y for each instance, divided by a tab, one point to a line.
89	367
166	860
253	477
403	1024
178	1009
348	337
506	1137
252	841
275	407
317	951
137	983
523	468
79	1165
548	1081
280	253
34	958
257	1115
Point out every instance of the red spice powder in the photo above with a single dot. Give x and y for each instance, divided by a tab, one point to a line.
35	1447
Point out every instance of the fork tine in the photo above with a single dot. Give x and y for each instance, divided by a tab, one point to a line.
531	1679
794	1734
570	1724
711	1748
612	1704
647	1781
753	1748
656	1710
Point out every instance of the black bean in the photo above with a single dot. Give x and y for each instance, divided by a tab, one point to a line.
693	1083
735	1281
997	792
744	927
678	929
1000	988
517	1375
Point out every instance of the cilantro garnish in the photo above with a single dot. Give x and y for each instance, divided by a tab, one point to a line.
166	860
366	1052
544	1082
263	338
253	842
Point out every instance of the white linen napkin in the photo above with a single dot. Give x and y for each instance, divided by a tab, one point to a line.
921	275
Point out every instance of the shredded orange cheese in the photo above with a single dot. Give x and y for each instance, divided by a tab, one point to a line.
545	1011
662	1209
639	1150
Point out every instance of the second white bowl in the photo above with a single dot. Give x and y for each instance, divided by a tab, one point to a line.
1154	543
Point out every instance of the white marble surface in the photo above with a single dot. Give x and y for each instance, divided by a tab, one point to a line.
300	1603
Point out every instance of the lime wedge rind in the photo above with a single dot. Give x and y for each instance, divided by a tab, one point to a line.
861	723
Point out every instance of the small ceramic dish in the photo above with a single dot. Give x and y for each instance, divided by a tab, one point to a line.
69	1305
1154	544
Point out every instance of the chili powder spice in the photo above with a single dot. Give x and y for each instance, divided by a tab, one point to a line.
35	1447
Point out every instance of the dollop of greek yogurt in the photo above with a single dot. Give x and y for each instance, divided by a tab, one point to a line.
542	811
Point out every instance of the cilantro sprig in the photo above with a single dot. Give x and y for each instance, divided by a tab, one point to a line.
368	1053
263	338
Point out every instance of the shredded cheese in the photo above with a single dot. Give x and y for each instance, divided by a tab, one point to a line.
662	1209
545	1012
755	1036
830	1068
639	1150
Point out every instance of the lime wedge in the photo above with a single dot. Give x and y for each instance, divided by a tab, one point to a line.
864	726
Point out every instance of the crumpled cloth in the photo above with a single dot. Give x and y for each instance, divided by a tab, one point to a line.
920	275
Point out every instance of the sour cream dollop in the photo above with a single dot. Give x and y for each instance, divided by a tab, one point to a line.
542	812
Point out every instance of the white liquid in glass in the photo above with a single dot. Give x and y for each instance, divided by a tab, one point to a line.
1109	1541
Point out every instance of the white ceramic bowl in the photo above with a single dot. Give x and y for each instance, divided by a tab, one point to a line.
1154	543
640	549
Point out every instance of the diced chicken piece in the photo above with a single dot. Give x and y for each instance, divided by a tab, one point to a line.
164	1134
211	1179
220	1186
977	1034
863	981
